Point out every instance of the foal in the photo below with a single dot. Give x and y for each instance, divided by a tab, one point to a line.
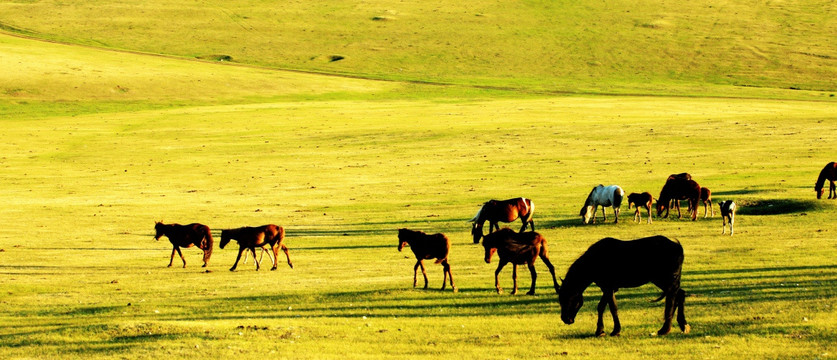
518	249
186	236
249	238
727	212
426	246
644	200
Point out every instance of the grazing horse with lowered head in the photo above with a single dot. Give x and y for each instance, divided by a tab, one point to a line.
249	238
641	200
727	212
518	249
678	188
186	236
613	264
509	210
604	196
426	246
829	172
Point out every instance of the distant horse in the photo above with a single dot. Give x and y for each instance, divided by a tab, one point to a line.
249	238
727	212
604	196
641	200
518	249
186	236
427	247
613	264
705	197
509	210
829	172
678	188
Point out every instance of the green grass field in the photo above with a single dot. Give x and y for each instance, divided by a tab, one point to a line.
113	124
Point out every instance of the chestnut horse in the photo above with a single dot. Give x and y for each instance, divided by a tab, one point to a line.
613	264
643	200
186	236
426	246
509	210
829	172
249	238
679	187
518	249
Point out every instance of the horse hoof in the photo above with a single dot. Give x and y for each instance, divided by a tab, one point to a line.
530	293
614	334
686	329
600	333
232	269
273	268
456	290
663	332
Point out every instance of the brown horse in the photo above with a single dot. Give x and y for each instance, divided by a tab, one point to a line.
426	246
186	236
249	238
678	187
518	249
829	172
509	210
706	197
643	200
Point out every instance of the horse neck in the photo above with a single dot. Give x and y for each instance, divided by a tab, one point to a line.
821	179
578	278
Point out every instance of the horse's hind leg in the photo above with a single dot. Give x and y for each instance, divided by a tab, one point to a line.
287	255
497	276
551	269
181	256
681	315
448	274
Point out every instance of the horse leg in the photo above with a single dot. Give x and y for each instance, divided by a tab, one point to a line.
448	274
711	209
616	214
240	251
424	273
694	208
668	315
606	296
637	215
181	256
681	315
649	213
497	276
551	269
604	214
415	272
287	255
724	225
832	189
258	263
731	220
677	204
514	278
534	277
172	255
617	326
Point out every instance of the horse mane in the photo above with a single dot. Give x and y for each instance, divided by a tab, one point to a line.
479	213
821	179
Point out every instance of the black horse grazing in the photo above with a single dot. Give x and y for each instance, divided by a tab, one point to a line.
249	238
613	264
829	172
186	236
509	210
518	249
427	247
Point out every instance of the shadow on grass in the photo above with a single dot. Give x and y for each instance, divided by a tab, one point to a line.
776	206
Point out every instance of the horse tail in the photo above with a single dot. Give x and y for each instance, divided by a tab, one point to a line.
618	194
281	234
446	242
207	244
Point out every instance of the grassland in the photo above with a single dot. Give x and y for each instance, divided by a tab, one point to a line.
119	125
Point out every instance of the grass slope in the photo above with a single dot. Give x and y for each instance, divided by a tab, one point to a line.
613	47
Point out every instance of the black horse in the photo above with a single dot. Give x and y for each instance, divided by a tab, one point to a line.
186	236
613	264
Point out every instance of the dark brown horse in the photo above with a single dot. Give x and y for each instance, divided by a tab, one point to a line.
186	236
829	172
643	200
249	238
678	187
509	210
613	264
426	246
518	249
706	197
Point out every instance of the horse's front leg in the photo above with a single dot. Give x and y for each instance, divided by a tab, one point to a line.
415	272
534	277
173	250
681	314
514	278
258	263
423	272
606	294
237	258
617	326
604	214
832	189
497	276
668	315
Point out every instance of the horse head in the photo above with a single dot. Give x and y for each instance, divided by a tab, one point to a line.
820	189
160	229
402	238
570	303
225	238
585	214
490	248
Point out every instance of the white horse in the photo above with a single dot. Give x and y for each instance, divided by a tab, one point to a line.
604	196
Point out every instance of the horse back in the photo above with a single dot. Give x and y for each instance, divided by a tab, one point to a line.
616	263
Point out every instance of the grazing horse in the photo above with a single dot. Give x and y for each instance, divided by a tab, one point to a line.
829	172
249	238
604	196
186	236
613	264
427	247
518	249
727	212
509	210
641	200
678	188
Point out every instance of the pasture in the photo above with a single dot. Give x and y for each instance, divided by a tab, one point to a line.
97	145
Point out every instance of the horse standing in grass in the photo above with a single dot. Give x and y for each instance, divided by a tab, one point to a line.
249	238
829	172
678	188
613	264
727	213
518	249
641	200
495	211
186	236
426	246
604	196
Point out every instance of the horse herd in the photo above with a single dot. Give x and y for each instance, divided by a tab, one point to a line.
609	263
